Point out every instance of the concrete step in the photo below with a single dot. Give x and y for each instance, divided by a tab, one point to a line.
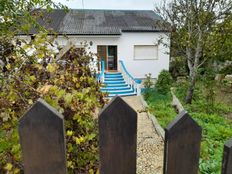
114	82
119	92
123	95
113	79
115	88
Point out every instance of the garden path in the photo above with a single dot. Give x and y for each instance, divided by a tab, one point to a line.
149	143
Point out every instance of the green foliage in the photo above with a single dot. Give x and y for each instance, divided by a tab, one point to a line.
66	84
178	67
148	83
211	117
200	33
160	106
216	128
164	82
226	70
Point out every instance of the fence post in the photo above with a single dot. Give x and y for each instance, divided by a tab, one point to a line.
227	158
182	146
41	132
118	135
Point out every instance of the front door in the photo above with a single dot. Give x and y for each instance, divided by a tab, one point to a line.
112	58
109	54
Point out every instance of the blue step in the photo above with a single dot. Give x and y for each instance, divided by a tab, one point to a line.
113	79
116	76
114	84
115	73
121	91
122	95
115	88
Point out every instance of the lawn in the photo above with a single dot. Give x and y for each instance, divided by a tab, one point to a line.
211	116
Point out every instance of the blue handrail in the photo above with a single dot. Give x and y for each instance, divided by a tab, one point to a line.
124	68
102	70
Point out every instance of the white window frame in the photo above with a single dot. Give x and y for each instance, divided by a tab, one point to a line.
144	58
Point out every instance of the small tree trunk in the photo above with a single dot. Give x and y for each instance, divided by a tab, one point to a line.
189	96
193	64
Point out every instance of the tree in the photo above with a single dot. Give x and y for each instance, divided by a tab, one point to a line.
16	16
193	23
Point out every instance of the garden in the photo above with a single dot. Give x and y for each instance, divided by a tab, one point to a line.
210	108
200	76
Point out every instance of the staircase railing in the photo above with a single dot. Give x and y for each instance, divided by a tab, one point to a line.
136	84
101	75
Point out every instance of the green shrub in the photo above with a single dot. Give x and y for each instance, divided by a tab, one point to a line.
210	116
216	129
164	82
178	67
148	83
69	88
226	70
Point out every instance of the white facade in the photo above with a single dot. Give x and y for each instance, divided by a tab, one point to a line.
126	44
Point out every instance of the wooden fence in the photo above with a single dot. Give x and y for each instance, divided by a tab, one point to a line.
42	138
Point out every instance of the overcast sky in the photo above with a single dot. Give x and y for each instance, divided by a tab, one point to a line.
110	4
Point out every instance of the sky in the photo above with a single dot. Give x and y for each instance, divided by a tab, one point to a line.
111	4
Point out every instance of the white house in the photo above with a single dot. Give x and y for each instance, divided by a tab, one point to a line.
130	37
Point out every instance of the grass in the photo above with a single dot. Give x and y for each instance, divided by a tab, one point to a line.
211	117
160	106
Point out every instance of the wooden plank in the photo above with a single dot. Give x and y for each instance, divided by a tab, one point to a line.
182	146
64	50
118	138
42	140
227	158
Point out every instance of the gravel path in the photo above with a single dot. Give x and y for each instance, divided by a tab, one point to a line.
149	143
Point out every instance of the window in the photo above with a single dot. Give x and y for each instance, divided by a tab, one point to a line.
142	52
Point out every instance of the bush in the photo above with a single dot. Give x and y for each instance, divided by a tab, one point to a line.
178	67
216	129
226	70
164	82
148	83
68	86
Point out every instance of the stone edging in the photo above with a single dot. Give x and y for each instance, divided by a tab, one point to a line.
155	122
176	102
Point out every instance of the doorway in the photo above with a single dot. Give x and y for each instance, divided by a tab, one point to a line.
109	54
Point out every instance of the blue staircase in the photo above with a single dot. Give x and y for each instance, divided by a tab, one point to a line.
114	84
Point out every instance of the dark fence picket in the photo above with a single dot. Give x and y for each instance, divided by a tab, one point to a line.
42	140
182	146
118	135
227	158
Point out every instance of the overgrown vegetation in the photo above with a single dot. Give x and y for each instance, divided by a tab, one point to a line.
209	112
68	85
30	70
164	82
200	35
160	106
158	98
211	115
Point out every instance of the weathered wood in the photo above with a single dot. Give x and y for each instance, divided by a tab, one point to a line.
182	146
118	134
42	140
64	50
227	158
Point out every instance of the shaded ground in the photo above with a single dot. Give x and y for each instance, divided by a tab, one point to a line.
149	143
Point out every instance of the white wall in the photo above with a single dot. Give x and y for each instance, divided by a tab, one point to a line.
125	43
